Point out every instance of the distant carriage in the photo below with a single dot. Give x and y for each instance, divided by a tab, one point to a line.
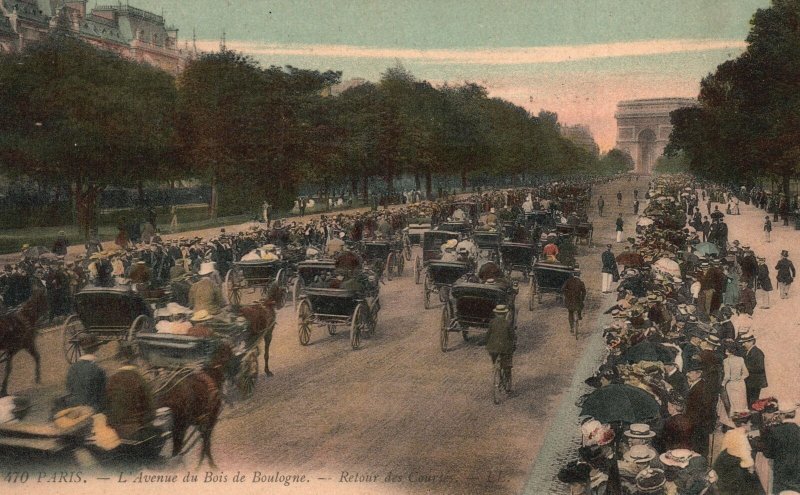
256	275
470	307
308	273
334	307
584	231
432	241
111	314
385	256
518	256
488	243
412	235
440	276
471	209
548	278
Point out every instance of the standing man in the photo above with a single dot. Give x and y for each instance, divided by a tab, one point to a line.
786	274
574	291
706	228
756	368
609	269
619	224
619	198
767	228
173	224
763	282
600	205
501	340
61	244
701	407
635	206
781	443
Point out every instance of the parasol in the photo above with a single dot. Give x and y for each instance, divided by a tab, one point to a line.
644	221
706	249
649	351
618	402
666	265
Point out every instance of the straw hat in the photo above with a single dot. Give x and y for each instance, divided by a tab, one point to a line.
206	268
202	315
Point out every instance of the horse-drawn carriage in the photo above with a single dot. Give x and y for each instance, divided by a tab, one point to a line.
463	228
584	231
412	234
543	218
384	256
440	276
256	275
336	306
488	243
518	256
471	305
168	356
111	314
309	272
471	210
548	278
432	241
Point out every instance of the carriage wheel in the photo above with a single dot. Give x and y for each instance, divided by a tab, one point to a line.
142	323
359	324
390	262
407	248
373	321
532	285
400	265
72	329
297	286
331	329
417	269
444	331
428	289
233	287
280	280
304	322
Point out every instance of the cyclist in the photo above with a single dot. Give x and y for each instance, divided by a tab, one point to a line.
501	341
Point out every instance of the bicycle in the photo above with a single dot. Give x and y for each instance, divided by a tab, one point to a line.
501	382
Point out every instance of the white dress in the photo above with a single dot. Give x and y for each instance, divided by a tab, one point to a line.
733	381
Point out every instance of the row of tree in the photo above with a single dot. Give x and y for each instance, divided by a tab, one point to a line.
747	125
73	114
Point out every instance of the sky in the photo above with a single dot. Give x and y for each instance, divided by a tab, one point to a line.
577	58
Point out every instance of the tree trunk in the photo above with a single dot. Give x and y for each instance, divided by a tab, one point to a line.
86	208
365	188
213	207
140	191
463	180
786	185
354	186
428	183
416	179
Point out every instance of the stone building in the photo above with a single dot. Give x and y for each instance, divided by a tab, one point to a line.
132	33
643	128
582	136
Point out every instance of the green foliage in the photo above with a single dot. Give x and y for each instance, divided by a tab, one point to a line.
748	124
676	164
614	162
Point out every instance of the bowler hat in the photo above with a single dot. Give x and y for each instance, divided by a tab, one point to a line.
88	342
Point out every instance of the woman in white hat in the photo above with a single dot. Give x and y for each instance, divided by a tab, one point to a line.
205	294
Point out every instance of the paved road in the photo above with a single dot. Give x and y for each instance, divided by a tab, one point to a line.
398	406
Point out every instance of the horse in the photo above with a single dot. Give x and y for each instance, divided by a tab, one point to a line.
196	400
18	332
261	318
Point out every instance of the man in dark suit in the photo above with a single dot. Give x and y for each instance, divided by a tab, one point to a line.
574	291
86	381
501	340
780	441
609	269
754	362
677	432
701	407
676	380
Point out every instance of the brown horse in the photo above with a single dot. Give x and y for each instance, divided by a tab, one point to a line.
196	400
261	318
18	332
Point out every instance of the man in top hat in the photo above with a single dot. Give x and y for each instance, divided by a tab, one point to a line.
609	268
701	407
677	432
747	299
86	380
756	368
786	274
205	294
619	225
501	339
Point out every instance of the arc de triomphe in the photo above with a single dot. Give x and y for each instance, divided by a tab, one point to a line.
643	128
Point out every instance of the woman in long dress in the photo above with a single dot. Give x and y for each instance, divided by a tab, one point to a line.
731	295
733	380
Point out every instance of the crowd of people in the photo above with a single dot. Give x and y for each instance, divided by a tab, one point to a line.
683	358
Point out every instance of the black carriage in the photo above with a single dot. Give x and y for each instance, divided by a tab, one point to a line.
412	235
256	275
470	306
385	257
518	256
111	314
432	241
471	209
542	218
440	276
548	278
584	231
169	354
463	228
308	273
488	244
334	307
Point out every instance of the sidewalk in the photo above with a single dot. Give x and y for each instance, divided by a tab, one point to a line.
775	328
